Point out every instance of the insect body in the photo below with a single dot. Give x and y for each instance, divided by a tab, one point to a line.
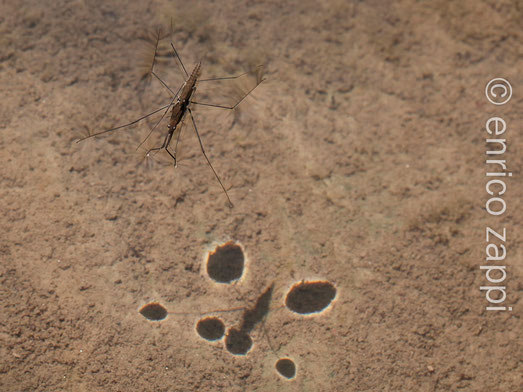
182	104
179	109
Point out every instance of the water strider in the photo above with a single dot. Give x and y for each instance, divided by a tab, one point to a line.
180	106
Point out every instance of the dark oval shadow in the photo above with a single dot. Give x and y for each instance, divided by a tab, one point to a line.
238	342
310	297
210	328
286	367
153	311
226	263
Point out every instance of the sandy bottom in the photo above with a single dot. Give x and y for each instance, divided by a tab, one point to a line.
357	171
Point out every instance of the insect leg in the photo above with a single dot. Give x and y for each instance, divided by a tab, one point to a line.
165	85
208	161
167	142
227	107
125	125
230	77
257	72
164	144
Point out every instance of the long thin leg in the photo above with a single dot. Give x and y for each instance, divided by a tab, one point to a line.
165	85
227	107
208	161
172	156
228	77
166	149
125	125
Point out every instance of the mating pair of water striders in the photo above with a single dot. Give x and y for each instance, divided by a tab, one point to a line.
180	107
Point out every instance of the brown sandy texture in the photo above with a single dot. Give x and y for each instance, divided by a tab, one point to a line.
360	161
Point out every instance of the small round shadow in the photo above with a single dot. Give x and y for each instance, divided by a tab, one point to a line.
153	311
226	263
210	328
310	297
286	367
238	342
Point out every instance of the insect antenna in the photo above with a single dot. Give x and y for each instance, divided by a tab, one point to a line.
180	60
174	49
